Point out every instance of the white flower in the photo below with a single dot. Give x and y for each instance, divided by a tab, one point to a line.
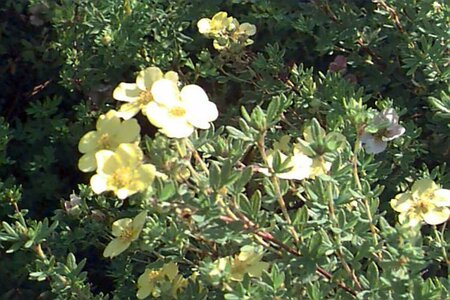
177	112
389	129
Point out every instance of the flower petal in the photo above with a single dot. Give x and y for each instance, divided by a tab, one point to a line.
173	76
204	26
393	132
248	29
199	110
403	202
165	92
128	110
128	92
373	145
157	114
87	163
138	224
109	123
147	77
441	197
120	225
115	247
88	142
410	219
107	162
129	131
437	215
424	188
145	286
177	128
124	192
99	183
129	154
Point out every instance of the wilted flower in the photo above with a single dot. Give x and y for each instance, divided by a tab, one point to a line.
339	64
426	201
125	231
152	282
111	131
122	171
387	129
247	262
177	112
138	95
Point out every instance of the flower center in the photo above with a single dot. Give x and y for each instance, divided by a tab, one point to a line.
145	97
122	177
423	205
177	111
126	234
104	141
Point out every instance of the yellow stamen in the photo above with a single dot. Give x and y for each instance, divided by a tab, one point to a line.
177	111
145	97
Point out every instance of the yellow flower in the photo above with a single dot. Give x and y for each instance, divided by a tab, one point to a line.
138	95
111	132
177	112
247	262
218	24
122	171
226	31
125	231
151	282
426	201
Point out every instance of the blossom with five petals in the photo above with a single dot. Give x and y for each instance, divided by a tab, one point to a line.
125	231
426	201
138	95
177	112
389	129
247	262
299	165
219	23
122	171
153	282
111	131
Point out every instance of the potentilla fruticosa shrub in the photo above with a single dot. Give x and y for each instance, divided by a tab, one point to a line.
224	150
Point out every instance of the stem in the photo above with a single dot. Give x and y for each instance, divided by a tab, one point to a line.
197	156
337	238
269	239
440	238
356	150
276	184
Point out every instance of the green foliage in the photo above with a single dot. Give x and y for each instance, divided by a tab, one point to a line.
318	72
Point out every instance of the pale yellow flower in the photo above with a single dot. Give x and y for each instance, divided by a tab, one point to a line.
122	171
218	24
425	202
125	231
138	95
226	31
177	112
319	166
111	131
299	164
247	262
151	281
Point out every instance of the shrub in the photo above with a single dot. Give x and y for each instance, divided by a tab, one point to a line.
224	149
